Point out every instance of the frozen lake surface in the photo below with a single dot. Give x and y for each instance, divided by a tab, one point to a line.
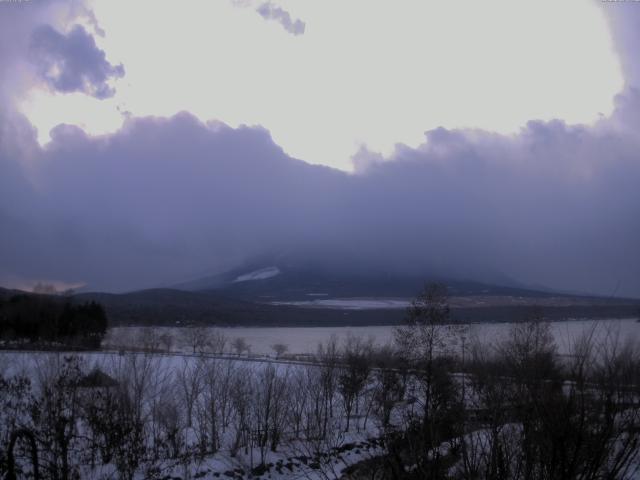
352	303
305	340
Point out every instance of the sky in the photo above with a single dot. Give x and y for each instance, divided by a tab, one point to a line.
146	143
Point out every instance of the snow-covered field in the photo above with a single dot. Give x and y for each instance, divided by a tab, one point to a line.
209	417
305	340
170	380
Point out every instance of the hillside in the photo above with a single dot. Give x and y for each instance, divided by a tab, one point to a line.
290	278
175	307
172	307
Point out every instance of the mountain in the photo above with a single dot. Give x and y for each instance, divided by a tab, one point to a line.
289	279
6	293
172	307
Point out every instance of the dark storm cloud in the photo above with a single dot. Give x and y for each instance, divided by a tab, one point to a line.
556	205
270	11
72	62
163	199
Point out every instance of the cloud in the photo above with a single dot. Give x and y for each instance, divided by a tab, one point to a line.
624	21
269	11
165	198
72	62
242	68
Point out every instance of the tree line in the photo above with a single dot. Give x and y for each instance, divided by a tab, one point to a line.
45	320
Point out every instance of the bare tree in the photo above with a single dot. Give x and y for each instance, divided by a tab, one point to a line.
269	409
16	394
390	384
217	341
354	373
240	345
149	339
166	340
279	349
170	422
424	343
197	338
241	395
428	326
33	451
298	402
56	416
542	416
215	407
321	452
189	380
316	413
129	426
329	357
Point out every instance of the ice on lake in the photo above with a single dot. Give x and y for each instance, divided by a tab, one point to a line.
305	340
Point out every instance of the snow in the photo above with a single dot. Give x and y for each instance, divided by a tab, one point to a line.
293	459
261	274
351	303
288	461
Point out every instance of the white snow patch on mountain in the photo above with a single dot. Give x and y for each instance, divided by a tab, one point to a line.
261	274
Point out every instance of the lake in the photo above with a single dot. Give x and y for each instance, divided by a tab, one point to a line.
305	340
